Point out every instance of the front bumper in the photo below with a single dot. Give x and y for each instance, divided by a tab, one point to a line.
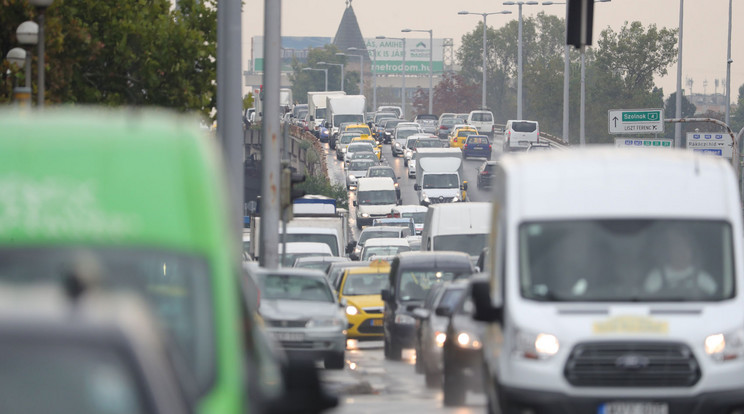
314	343
365	326
723	402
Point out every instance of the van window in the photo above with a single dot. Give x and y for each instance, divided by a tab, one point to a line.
376	197
320	113
471	244
418	217
176	286
441	181
328	239
524	126
481	117
626	260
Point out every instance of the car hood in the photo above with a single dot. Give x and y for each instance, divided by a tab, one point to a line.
365	301
295	309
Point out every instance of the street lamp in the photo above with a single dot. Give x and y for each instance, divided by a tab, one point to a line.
361	69
566	72
728	70
374	75
27	34
519	53
483	93
403	88
431	70
41	6
320	70
341	66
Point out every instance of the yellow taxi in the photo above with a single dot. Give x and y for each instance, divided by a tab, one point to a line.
361	128
366	138
460	135
361	287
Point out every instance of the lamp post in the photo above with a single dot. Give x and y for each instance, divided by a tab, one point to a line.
320	70
361	69
19	58
27	34
374	75
519	53
566	73
431	61
341	66
728	70
41	6
403	88
483	92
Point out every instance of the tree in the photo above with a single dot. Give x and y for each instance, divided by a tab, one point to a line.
737	116
670	107
125	53
452	94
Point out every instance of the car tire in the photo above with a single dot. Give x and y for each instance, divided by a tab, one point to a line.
432	379
405	163
418	365
453	386
394	352
488	158
335	361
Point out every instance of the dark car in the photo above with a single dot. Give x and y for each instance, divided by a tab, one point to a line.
485	174
431	330
429	122
446	125
390	125
412	274
385	171
477	146
463	353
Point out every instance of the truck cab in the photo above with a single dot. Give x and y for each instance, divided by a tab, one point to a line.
439	175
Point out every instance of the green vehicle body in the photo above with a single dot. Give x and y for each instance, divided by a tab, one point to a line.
128	180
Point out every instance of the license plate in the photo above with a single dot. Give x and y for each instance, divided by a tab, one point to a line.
479	147
524	143
376	322
633	408
289	336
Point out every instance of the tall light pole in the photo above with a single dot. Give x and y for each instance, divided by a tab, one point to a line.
678	103
403	88
341	66
27	34
483	92
519	53
431	61
728	70
41	6
320	70
21	58
566	73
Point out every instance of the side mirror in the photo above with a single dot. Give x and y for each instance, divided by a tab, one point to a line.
303	391
385	293
343	303
421	313
260	114
416	187
398	178
485	309
443	311
327	124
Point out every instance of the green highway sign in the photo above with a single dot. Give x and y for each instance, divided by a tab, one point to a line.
635	121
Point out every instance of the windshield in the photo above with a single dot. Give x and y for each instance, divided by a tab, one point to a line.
346	137
414	285
83	379
357	284
294	287
451	298
382	172
360	165
376	197
374	234
391	124
405	133
369	252
339	119
626	260
329	239
361	130
176	286
320	113
427	143
364	155
471	244
441	181
362	146
465	133
524	126
482	117
418	218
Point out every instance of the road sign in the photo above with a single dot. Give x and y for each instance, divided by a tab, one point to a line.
663	143
636	121
711	143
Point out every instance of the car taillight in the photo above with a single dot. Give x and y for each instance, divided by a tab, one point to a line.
465	146
454	140
489	146
442	127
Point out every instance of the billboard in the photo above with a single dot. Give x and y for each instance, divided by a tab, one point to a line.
389	53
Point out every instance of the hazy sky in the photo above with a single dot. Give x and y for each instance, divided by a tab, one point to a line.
705	28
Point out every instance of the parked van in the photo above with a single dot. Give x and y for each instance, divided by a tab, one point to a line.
375	199
518	135
136	199
483	121
616	284
462	227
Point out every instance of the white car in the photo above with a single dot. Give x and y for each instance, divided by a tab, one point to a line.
302	249
414	211
384	246
357	169
412	169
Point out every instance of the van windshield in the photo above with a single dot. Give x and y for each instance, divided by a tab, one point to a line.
414	285
376	197
441	181
524	126
176	286
482	117
339	119
329	239
320	113
471	244
626	260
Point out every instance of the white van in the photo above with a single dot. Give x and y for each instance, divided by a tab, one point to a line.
375	198
482	121
462	227
519	134
616	284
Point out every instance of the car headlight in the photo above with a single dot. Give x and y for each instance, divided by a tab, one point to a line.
397	145
725	347
351	310
455	199
439	338
404	320
324	322
426	198
409	153
365	215
343	149
468	340
536	346
396	185
352	178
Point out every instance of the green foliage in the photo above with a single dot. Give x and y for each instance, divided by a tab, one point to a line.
320	185
136	52
452	94
737	115
248	101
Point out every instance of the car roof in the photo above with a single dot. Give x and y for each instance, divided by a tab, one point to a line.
290	271
374	266
410	208
434	259
386	241
383	228
321	259
306	247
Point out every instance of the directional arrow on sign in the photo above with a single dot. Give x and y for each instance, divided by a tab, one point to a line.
615	119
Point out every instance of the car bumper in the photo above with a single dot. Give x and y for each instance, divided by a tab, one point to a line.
317	344
558	403
403	335
365	327
479	153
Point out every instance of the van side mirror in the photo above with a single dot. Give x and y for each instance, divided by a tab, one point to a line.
485	309
416	187
443	311
385	293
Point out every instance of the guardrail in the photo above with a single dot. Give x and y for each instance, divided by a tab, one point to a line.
299	143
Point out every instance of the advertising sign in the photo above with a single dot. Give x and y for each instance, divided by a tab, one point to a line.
296	47
711	143
390	55
664	143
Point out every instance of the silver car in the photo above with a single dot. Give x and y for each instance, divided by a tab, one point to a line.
357	169
303	315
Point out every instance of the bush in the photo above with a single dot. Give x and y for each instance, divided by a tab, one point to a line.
319	185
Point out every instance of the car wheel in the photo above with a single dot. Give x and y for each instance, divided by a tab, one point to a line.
418	365
405	163
433	379
335	361
394	352
454	389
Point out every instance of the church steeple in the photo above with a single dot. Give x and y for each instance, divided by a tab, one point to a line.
348	33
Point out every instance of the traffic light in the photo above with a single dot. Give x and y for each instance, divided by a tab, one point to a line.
579	18
289	191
